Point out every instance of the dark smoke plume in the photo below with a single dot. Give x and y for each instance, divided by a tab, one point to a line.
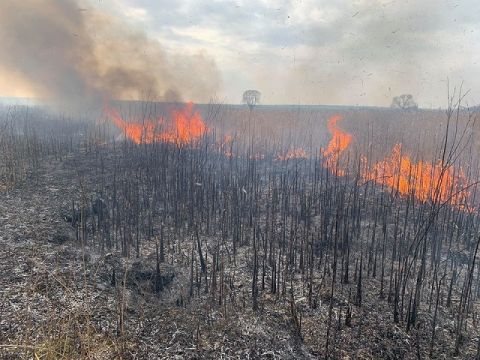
67	53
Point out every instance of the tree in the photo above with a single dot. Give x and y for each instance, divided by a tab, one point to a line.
251	98
404	102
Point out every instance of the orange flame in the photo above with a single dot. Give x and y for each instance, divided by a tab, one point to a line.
339	143
185	126
426	181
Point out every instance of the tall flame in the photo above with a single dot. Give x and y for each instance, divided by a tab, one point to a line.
426	181
339	142
184	126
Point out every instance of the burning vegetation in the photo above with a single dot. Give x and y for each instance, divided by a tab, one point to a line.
182	127
426	181
150	228
337	145
191	222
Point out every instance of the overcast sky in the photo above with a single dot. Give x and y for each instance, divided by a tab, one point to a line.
338	52
308	52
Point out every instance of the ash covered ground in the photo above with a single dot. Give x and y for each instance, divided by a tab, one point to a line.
168	250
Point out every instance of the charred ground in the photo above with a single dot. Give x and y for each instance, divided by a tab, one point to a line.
123	250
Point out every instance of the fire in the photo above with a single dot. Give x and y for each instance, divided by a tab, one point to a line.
184	126
292	154
339	143
187	126
426	181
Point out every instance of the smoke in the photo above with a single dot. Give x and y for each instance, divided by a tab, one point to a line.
67	53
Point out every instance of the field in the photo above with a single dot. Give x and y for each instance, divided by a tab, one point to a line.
150	230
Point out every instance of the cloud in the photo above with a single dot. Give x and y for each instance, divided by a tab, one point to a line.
309	51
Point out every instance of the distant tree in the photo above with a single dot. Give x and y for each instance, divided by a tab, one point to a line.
251	98
404	102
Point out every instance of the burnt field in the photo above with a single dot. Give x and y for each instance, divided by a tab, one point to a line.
214	231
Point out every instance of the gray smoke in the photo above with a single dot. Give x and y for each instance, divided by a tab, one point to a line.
66	52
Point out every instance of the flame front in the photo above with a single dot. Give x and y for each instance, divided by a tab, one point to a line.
339	143
426	181
185	126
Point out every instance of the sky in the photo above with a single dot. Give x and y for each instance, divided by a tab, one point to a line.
360	52
335	52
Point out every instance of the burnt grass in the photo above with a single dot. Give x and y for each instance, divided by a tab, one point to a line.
270	281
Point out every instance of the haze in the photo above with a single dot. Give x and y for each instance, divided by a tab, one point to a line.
294	52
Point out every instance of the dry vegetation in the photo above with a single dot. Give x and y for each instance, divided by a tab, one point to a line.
111	249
